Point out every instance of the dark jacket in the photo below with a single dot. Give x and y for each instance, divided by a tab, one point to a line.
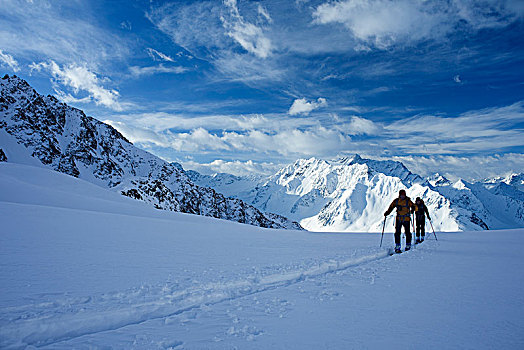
422	209
404	207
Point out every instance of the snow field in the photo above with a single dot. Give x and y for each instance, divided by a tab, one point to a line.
97	270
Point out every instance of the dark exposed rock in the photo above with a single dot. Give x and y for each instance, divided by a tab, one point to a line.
68	141
478	221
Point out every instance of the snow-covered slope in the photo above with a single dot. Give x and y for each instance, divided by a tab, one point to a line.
36	129
515	180
351	194
224	183
86	268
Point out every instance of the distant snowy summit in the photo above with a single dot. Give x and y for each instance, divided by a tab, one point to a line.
347	194
40	130
351	194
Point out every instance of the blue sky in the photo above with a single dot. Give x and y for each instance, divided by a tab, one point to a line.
247	86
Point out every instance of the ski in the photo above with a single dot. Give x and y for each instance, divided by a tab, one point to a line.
391	251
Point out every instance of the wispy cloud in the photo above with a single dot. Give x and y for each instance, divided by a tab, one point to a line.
215	31
263	13
384	23
46	30
487	130
378	22
471	168
81	79
196	26
9	61
476	134
150	70
157	55
257	136
126	25
250	36
362	126
303	106
235	167
247	69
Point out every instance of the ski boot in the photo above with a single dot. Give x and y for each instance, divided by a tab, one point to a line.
408	247
421	239
397	249
418	241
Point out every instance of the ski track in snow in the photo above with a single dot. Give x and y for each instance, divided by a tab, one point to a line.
52	322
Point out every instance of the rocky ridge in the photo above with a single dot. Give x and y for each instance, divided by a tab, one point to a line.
65	139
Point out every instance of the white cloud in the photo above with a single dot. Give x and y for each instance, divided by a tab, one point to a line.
247	68
68	98
457	79
303	106
262	11
384	23
9	61
285	141
48	30
486	130
361	126
161	121
197	140
213	31
248	35
126	25
380	22
236	167
156	55
80	78
470	168
139	135
196	26
440	139
141	71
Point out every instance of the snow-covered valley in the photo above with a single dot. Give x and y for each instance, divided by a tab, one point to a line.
85	268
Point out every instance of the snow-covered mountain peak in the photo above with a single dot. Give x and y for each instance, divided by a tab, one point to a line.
438	180
349	160
387	167
516	180
45	132
460	185
352	193
16	85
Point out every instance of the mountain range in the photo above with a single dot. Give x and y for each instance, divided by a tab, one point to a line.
347	194
40	130
351	194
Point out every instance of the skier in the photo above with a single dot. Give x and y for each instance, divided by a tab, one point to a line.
404	206
421	219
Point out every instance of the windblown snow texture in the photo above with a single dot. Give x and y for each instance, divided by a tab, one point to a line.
66	140
351	194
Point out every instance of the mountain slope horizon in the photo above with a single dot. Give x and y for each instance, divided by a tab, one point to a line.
351	193
43	131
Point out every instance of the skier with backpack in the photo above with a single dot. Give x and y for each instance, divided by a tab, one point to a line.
404	207
420	219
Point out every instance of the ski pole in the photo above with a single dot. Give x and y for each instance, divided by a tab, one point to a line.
383	226
433	230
